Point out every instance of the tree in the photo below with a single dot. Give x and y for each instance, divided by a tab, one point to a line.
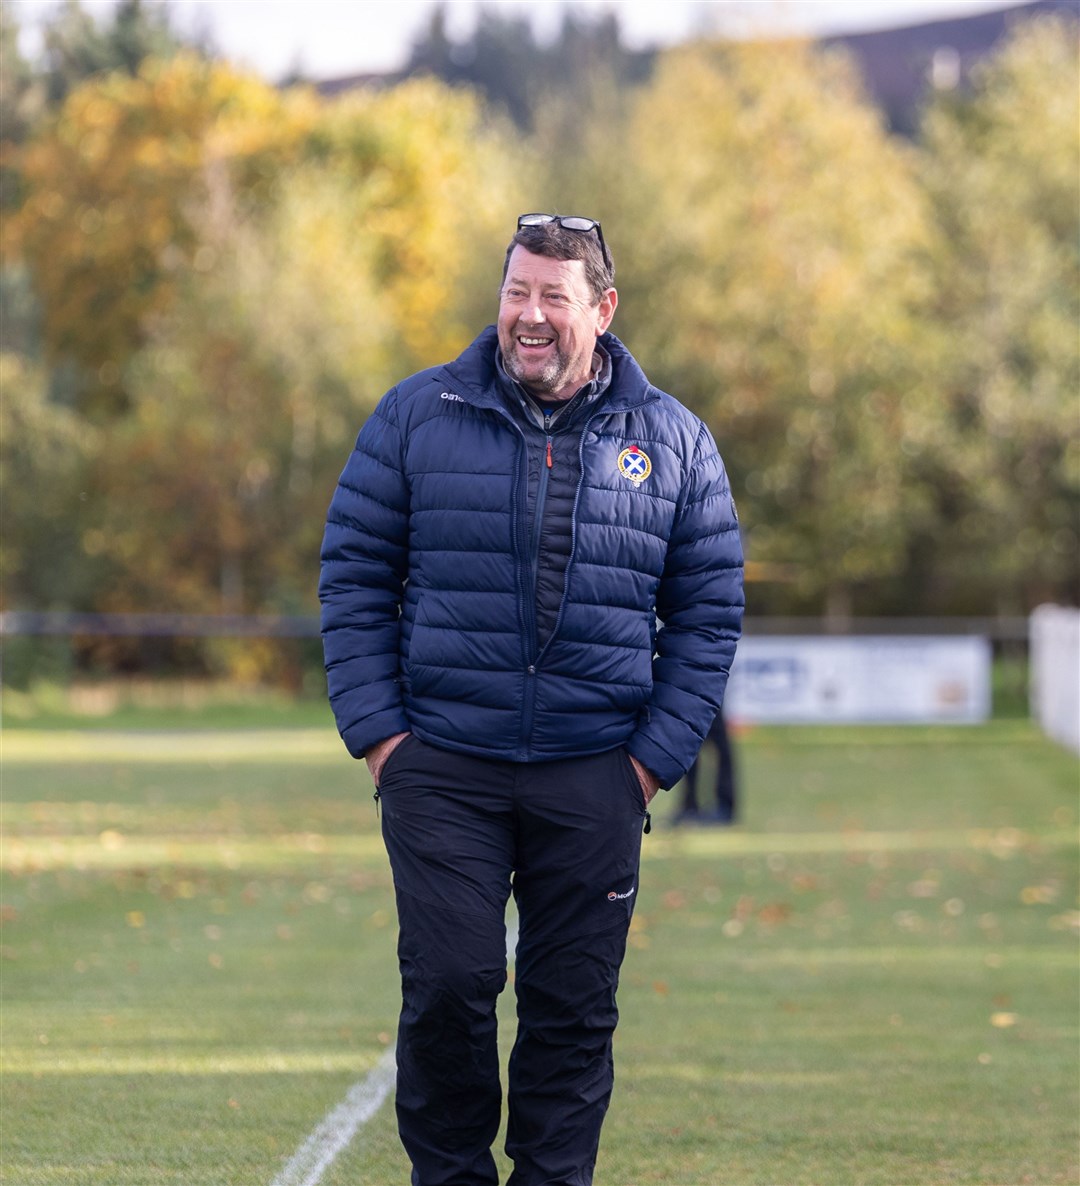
1003	170
109	185
775	271
46	453
77	47
516	72
314	286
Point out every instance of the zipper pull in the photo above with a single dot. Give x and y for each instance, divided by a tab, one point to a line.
547	429
549	453
377	796
648	822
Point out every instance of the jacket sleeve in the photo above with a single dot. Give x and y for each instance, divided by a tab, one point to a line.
364	562
700	605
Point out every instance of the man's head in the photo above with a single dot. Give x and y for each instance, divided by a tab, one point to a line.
556	299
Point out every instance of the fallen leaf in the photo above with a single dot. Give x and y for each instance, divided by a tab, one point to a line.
774	913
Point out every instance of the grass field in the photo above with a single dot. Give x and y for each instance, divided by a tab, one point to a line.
871	981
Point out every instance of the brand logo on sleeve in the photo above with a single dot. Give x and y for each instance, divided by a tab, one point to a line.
614	897
451	395
634	464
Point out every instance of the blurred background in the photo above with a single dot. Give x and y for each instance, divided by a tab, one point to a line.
852	251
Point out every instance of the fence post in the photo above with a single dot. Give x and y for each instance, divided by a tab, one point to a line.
1055	672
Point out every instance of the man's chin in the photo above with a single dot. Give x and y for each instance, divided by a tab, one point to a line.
539	381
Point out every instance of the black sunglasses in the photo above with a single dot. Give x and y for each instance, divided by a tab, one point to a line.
569	222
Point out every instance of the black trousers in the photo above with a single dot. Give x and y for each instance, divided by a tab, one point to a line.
463	833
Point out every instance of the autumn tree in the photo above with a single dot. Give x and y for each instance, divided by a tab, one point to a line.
109	187
1003	170
773	252
314	279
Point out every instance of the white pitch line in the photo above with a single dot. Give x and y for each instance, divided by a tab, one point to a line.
314	1157
362	1101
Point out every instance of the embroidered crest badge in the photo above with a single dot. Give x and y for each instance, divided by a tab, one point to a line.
634	464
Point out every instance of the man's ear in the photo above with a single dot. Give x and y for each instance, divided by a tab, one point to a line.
606	310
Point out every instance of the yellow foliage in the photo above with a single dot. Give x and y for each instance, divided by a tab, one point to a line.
780	232
433	188
110	184
123	186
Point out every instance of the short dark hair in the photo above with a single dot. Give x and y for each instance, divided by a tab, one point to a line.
557	242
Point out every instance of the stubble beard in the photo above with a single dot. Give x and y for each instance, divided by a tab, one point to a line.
551	378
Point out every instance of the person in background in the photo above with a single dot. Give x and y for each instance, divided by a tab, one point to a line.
726	806
502	540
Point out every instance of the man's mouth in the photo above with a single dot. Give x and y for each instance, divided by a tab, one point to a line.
534	342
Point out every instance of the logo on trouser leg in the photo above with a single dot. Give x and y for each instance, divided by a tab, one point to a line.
614	897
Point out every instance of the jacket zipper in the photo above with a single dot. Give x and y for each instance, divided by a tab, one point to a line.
574	514
534	574
538	512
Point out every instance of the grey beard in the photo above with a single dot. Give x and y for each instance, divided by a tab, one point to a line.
550	379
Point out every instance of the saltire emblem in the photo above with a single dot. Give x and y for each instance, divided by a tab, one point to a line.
634	464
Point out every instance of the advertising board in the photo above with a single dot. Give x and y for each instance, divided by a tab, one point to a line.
851	679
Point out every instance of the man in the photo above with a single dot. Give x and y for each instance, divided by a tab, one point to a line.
503	541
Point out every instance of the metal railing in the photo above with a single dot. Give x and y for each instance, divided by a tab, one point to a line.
168	625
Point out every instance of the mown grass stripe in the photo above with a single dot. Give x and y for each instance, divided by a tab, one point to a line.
32	747
31	1060
112	850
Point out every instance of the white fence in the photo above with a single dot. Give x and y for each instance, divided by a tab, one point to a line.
1055	672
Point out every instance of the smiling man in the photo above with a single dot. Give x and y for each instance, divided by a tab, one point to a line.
506	538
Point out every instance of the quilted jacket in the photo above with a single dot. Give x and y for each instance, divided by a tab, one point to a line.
428	591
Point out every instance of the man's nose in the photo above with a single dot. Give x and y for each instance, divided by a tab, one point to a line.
531	313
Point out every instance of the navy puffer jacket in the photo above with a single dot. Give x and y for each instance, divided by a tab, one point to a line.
429	614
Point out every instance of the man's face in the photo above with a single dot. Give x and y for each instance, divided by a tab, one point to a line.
548	325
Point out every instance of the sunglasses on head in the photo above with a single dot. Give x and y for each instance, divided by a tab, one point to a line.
569	222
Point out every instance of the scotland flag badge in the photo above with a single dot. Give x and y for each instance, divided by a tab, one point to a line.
634	464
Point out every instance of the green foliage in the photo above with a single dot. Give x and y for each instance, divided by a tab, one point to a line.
47	454
776	274
1003	170
77	46
520	74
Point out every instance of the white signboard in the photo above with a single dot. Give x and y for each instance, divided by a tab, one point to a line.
852	679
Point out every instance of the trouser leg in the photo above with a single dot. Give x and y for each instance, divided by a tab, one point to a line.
579	842
690	780
725	772
449	834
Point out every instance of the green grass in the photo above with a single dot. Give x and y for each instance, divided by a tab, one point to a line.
871	980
